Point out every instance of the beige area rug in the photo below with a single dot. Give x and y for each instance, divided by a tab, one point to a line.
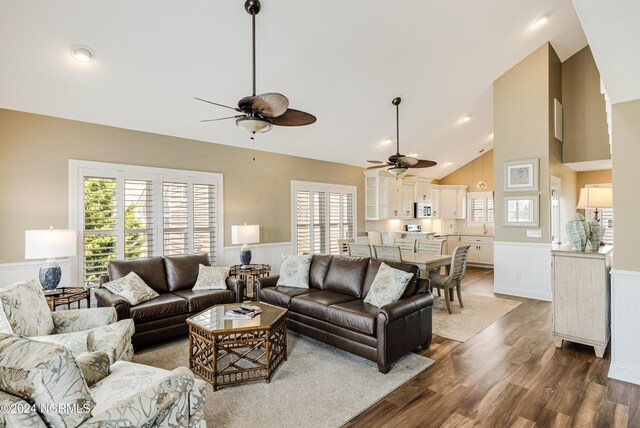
318	386
479	312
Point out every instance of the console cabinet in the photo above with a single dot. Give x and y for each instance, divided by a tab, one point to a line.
581	297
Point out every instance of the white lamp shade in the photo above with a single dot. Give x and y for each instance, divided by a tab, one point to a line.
245	234
596	197
49	243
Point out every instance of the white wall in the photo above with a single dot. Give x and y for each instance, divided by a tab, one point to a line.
522	269
11	273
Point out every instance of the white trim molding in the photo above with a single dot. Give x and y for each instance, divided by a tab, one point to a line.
522	269
10	273
625	322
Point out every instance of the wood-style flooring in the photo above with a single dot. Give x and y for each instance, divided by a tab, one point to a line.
509	375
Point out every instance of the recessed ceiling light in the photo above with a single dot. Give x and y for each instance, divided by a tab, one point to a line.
387	141
82	53
465	119
542	20
447	164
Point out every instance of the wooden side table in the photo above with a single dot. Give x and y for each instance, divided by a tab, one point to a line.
66	296
249	274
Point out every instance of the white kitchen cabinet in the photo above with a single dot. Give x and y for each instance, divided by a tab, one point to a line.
435	202
452	242
395	197
387	196
423	190
408	198
481	249
453	202
376	196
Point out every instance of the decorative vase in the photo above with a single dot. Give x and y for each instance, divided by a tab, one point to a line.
245	255
578	231
597	233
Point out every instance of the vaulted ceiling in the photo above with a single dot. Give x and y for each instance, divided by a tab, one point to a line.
343	61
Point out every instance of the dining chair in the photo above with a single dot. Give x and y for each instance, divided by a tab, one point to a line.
342	245
433	246
390	237
453	280
375	238
406	244
359	250
387	252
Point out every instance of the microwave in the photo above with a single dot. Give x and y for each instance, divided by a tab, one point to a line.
422	210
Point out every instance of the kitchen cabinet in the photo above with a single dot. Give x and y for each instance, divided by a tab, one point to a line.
423	190
376	196
387	196
581	286
408	198
453	202
452	242
481	249
435	202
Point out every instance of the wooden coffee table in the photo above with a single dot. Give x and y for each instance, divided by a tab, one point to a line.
228	352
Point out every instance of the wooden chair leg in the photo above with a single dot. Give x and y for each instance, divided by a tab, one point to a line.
446	299
459	295
450	294
439	292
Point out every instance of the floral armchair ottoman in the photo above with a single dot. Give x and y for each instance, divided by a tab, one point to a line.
45	385
24	311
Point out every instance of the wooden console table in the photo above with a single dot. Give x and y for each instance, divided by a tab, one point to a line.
66	296
581	297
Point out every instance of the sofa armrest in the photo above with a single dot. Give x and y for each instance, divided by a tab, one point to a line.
237	286
104	278
18	413
423	285
404	307
268	281
75	320
106	298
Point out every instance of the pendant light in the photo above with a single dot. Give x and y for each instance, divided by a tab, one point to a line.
482	185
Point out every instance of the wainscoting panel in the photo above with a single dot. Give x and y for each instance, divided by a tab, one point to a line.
15	272
625	324
522	269
270	254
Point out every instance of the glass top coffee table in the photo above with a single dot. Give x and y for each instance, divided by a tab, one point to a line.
228	352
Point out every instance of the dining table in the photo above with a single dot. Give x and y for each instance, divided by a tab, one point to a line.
426	261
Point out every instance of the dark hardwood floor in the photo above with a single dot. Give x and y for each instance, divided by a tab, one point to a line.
509	375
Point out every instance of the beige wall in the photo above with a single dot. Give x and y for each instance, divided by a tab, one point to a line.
585	131
521	130
34	154
626	176
593	177
471	173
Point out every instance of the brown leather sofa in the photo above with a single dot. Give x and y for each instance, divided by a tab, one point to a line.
173	278
333	310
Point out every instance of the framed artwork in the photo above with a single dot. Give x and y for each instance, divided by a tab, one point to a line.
521	175
522	210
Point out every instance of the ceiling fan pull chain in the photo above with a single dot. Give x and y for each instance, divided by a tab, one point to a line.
253	141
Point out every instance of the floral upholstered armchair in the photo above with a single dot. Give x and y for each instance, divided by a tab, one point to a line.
24	312
44	385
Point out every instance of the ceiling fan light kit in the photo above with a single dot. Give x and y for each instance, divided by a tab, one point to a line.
260	112
398	163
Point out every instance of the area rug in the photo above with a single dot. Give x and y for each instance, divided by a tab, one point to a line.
479	312
319	386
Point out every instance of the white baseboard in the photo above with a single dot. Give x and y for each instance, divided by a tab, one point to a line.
625	319
270	254
522	269
10	273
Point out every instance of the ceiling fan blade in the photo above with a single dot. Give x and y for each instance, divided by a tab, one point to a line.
223	118
216	104
382	165
409	161
270	104
424	164
293	118
370	161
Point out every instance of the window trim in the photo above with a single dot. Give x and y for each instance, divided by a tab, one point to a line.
319	187
80	168
485	195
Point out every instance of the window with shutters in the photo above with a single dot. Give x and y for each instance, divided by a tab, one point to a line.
480	209
127	212
321	215
604	214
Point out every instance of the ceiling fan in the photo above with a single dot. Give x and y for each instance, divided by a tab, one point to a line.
259	112
398	164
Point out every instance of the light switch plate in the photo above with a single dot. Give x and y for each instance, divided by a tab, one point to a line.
535	233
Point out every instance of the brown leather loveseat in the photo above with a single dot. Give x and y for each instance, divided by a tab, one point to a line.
173	278
333	310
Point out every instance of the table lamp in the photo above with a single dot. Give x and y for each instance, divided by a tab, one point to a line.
49	244
245	234
595	198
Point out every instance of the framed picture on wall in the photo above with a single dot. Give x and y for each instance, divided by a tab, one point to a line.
521	175
522	210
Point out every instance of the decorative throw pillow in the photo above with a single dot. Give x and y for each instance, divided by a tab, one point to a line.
132	288
76	342
26	309
95	366
387	286
294	271
211	278
46	375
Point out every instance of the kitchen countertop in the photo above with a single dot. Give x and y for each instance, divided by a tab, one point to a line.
465	234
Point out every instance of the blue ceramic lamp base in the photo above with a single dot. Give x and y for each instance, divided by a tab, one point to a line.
245	255
50	274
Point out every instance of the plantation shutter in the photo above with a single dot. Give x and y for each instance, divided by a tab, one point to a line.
175	218
322	216
480	209
100	227
139	219
606	220
205	214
